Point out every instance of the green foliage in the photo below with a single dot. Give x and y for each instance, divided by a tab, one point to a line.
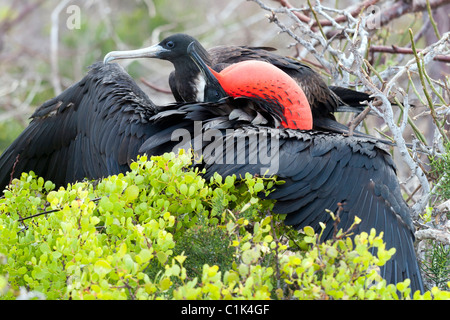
162	232
441	169
437	261
437	264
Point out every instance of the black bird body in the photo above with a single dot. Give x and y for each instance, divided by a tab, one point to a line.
349	175
321	170
99	125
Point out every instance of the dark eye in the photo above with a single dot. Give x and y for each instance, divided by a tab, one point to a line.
170	44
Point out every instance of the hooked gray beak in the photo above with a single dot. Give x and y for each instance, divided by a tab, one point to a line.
150	52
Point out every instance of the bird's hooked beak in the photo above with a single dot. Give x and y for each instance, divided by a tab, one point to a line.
154	51
213	89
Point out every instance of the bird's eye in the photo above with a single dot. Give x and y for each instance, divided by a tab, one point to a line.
170	44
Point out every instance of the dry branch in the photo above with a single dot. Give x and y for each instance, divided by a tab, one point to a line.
8	23
355	12
401	50
434	234
384	85
386	15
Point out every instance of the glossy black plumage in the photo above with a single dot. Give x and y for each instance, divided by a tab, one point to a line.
100	124
91	130
323	171
320	170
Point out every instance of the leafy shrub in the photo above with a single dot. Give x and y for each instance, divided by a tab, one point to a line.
436	264
162	232
440	168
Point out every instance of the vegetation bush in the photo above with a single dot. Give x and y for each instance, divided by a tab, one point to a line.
436	265
162	232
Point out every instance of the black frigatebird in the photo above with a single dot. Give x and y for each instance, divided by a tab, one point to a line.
93	129
187	84
352	175
99	125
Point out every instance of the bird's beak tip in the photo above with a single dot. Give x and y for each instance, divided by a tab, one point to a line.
108	58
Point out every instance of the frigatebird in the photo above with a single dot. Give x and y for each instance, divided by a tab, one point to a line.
100	124
187	84
352	175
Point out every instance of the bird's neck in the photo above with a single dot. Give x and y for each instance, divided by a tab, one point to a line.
190	81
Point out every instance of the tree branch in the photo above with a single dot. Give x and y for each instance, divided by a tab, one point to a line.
403	50
350	61
433	234
7	24
343	18
398	9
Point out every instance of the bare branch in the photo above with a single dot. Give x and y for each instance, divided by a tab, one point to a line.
434	234
343	18
398	9
9	23
155	87
401	50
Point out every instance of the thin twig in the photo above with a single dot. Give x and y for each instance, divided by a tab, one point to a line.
343	18
277	262
7	24
156	88
402	50
49	211
421	70
357	120
13	169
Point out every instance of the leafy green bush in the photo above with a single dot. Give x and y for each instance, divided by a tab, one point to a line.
162	232
436	264
440	168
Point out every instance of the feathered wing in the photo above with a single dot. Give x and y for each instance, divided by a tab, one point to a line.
91	130
100	124
323	171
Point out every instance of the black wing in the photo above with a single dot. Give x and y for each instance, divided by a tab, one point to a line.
91	130
322	170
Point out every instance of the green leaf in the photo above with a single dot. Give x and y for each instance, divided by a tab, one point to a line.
44	248
131	193
145	255
183	189
259	186
308	231
162	257
102	267
165	284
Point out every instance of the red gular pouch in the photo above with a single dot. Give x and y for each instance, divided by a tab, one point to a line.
261	80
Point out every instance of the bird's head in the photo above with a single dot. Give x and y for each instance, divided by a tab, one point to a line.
261	81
